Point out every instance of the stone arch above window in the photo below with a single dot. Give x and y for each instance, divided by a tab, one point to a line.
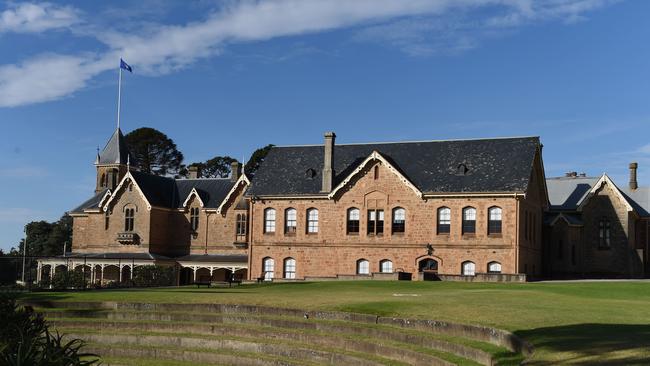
494	267
363	267
494	220
290	221
289	268
444	220
269	220
312	221
468	268
386	266
352	221
469	220
398	220
268	268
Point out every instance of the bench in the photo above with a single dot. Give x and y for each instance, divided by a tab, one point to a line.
203	283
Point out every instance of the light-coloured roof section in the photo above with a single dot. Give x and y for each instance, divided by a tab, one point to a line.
639	199
115	151
566	193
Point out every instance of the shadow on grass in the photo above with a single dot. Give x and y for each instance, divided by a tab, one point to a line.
594	344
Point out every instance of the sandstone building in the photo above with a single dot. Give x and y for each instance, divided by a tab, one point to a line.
456	209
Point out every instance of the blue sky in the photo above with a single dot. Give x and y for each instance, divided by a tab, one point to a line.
226	77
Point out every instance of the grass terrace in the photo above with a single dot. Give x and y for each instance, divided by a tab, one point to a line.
595	323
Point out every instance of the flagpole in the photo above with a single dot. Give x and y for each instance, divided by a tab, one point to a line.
119	97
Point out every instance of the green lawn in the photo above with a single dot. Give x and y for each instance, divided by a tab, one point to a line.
600	323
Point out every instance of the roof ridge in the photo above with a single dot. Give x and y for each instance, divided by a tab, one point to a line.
416	141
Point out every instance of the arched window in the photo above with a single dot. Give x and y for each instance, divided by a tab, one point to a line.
194	218
312	221
494	267
241	229
494	220
444	220
129	219
290	221
469	220
106	220
399	220
376	172
386	266
290	268
468	268
363	267
353	221
268	267
103	182
269	220
428	264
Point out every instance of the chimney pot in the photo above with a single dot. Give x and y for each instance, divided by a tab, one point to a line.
633	182
328	159
235	170
194	172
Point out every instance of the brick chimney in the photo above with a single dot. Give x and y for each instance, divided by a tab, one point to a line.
633	183
235	170
194	172
328	161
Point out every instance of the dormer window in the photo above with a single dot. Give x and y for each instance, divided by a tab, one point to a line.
461	169
310	173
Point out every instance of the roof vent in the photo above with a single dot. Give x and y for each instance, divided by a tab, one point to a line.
461	169
571	174
310	173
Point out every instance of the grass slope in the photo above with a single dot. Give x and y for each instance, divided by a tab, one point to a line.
595	323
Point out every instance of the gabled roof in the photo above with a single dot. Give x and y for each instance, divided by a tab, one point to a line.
172	193
567	193
115	151
604	179
493	165
375	156
91	203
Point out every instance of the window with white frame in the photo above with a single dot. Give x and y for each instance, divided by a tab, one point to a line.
469	220
494	220
444	220
269	220
363	267
268	267
399	220
312	221
290	221
289	268
468	268
375	222
494	267
353	221
386	266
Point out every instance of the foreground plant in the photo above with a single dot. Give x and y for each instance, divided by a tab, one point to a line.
25	339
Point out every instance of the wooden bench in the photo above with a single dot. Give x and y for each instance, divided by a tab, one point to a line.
203	283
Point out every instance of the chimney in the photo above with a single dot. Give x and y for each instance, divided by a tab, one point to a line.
235	170
571	174
328	172
633	183
194	172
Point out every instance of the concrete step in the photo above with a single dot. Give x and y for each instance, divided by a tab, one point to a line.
184	344
400	352
205	323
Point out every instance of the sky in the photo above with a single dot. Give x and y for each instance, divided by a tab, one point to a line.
226	77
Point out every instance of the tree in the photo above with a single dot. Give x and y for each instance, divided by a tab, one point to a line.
154	152
256	159
45	238
217	167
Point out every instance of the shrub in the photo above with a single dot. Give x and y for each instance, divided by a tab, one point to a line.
68	279
150	276
25	339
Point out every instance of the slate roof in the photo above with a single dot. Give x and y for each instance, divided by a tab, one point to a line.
494	165
566	193
91	203
171	193
115	151
136	256
639	199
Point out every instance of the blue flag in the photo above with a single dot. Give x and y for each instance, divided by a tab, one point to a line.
125	66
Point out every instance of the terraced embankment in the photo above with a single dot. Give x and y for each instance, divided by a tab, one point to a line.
178	334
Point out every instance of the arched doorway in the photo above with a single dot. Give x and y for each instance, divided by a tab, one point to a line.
429	269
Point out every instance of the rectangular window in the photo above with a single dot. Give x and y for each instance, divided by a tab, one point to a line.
444	220
241	229
290	221
312	221
375	222
194	218
106	221
129	219
269	220
604	234
469	220
353	221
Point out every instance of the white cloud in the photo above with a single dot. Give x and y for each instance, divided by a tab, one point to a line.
37	17
415	26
